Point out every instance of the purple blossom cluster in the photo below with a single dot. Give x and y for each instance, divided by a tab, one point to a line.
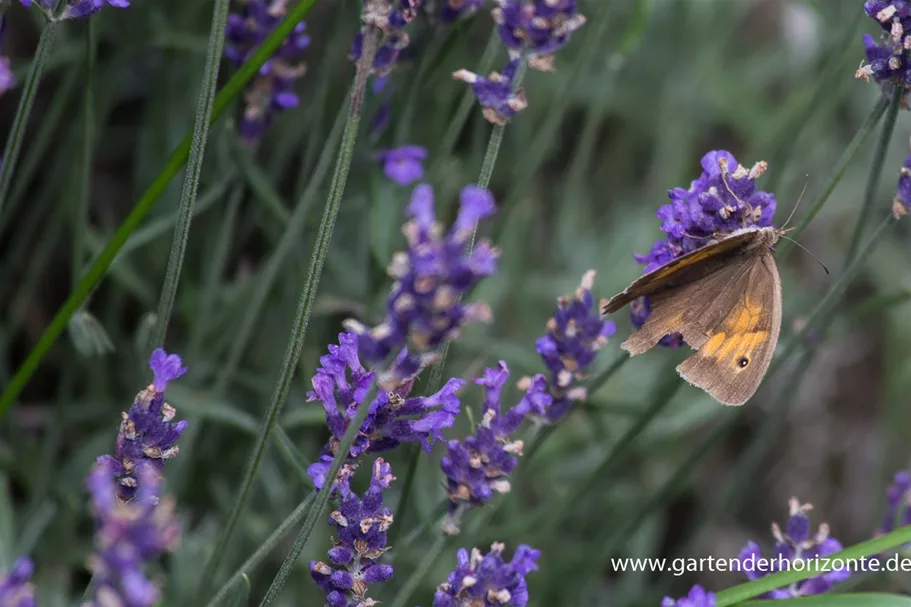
16	589
272	89
479	465
129	534
488	579
7	80
902	202
341	383
147	433
575	334
76	9
536	28
889	62
532	31
793	544
898	503
497	93
697	597
390	17
452	10
360	525
425	306
724	198
404	165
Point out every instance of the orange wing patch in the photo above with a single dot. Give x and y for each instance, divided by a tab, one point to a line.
740	338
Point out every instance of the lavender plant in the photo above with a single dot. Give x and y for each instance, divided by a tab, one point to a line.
272	89
16	589
697	597
566	203
575	334
479	465
361	525
488	579
795	543
898	503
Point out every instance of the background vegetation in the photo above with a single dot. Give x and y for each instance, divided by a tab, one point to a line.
640	94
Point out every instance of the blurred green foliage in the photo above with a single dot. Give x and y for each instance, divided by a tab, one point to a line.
640	93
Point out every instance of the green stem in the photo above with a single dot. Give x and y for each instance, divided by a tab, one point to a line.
24	110
193	172
101	264
315	514
876	170
264	550
837	172
302	315
732	596
428	558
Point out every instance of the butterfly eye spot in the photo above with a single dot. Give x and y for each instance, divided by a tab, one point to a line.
743	361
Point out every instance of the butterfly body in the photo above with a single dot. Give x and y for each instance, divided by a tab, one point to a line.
725	300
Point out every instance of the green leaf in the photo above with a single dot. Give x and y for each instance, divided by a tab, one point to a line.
839	600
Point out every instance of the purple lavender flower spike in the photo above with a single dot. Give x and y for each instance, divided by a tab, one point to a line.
147	433
538	28
795	544
889	63
360	525
77	9
341	384
128	535
452	10
404	165
271	91
7	80
575	334
902	203
697	597
724	198
16	589
390	17
425	306
898	503
487	579
166	367
495	93
479	465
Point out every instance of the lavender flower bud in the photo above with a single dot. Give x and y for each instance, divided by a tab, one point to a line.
889	62
796	543
575	334
404	165
697	597
147	433
394	418
129	534
486	579
478	466
495	93
16	589
360	526
898	503
538	28
272	89
77	9
425	306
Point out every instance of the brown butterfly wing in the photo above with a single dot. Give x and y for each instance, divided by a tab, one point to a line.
732	361
693	309
682	270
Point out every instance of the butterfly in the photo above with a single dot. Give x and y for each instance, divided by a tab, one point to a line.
725	300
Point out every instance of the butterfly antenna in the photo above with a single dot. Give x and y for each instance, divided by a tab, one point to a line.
808	252
796	204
